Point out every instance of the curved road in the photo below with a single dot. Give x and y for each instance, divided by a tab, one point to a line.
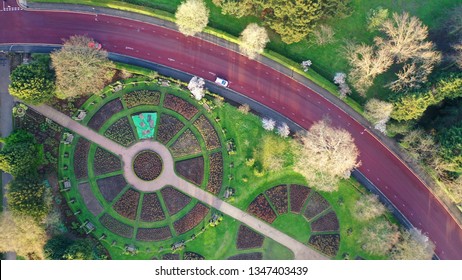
257	81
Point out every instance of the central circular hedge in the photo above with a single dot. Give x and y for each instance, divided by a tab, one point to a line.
147	165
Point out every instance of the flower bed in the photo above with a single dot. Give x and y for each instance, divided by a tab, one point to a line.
105	113
81	158
248	239
121	132
215	173
186	144
278	197
174	200
105	162
151	210
191	169
147	165
315	206
116	227
326	243
168	127
180	105
91	202
298	196
191	256
141	97
247	256
191	219
261	208
153	234
208	133
171	257
127	205
110	187
328	222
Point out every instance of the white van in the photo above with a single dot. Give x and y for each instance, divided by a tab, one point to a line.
221	82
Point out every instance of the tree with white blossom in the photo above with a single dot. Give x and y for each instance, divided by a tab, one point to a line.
283	130
268	124
306	65
340	80
196	86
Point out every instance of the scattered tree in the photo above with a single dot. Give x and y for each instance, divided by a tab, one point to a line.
451	144
379	237
237	8
283	130
21	234
33	83
80	68
20	155
420	145
244	109
366	63
376	17
368	207
379	113
323	35
196	87
192	17
327	155
413	245
253	40
272	153
268	124
81	249
27	196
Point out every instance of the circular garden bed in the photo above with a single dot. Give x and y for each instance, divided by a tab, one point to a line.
147	165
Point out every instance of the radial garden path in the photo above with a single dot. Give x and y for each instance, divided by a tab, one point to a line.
168	177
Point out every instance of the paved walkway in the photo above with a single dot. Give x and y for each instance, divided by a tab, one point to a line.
6	123
300	250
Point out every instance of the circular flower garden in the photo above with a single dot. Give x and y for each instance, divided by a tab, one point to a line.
147	165
121	215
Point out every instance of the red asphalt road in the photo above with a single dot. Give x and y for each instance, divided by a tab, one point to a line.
257	81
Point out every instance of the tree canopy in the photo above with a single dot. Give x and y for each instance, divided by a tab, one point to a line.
327	155
21	155
80	68
192	17
27	196
21	234
33	83
253	40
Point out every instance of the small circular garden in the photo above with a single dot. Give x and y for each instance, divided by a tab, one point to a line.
147	165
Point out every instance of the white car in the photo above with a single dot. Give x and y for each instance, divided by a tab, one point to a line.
221	82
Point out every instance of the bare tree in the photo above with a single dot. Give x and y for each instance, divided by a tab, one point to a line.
81	68
413	245
323	34
379	237
196	87
22	235
192	16
368	207
366	63
253	40
420	145
244	109
406	41
379	113
327	155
